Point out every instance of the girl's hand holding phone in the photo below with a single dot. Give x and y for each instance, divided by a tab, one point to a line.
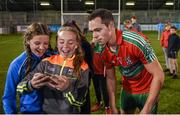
39	80
59	82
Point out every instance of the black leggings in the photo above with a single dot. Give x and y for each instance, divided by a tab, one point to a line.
100	87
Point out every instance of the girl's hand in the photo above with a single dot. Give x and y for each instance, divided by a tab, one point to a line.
59	82
39	80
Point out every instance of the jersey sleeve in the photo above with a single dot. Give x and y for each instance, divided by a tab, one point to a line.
144	52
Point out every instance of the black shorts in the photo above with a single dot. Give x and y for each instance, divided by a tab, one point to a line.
172	54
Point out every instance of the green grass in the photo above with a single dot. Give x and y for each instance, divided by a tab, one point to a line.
12	45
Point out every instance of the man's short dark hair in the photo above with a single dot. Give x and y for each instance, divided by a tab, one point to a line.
105	15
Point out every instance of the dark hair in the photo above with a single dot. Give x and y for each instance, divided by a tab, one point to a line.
173	27
73	24
105	15
133	17
33	30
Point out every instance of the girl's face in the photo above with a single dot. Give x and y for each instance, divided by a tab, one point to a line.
39	44
67	43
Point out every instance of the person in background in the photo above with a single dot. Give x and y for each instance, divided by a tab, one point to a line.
62	78
173	48
142	74
36	44
88	51
164	44
99	81
129	27
135	23
160	27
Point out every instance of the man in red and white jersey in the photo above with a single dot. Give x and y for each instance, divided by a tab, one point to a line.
142	75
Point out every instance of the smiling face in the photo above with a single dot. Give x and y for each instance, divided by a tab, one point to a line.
67	43
101	32
39	44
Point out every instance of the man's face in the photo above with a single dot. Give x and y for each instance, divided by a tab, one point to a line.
101	33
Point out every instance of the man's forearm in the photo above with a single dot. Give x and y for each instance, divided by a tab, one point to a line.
153	96
155	87
111	85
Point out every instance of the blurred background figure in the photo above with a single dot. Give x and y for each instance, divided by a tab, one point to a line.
173	48
164	44
128	26
135	23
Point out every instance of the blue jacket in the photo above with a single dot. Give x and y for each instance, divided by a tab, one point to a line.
29	103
